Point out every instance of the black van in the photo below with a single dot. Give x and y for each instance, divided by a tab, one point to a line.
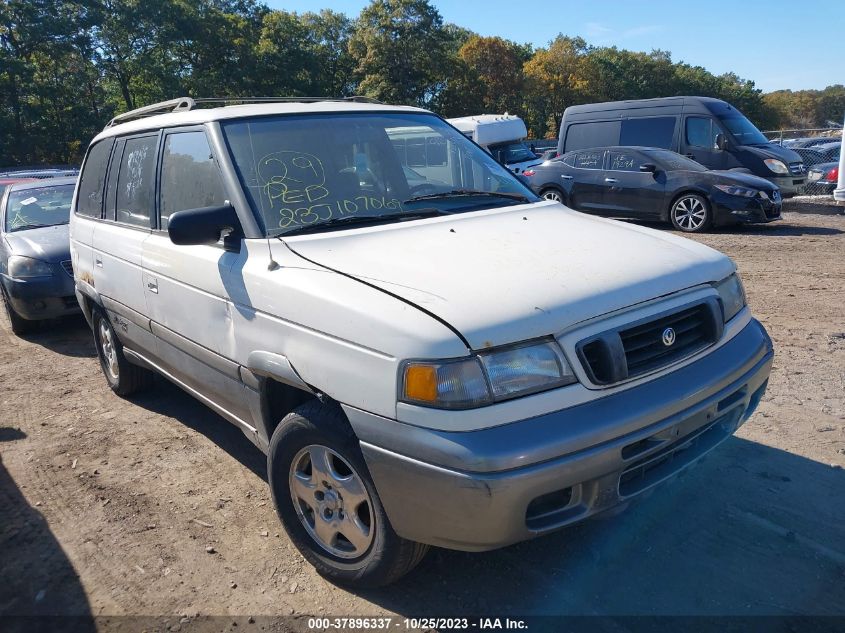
710	131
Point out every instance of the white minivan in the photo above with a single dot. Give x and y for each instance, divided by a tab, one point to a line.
427	352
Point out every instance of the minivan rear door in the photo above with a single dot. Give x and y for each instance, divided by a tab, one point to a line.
698	142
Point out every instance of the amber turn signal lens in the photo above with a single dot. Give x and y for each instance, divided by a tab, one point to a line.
421	383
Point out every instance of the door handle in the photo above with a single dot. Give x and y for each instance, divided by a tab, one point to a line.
152	286
611	180
98	261
566	177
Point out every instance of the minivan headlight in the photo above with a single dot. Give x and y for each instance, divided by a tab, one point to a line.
485	378
21	267
732	296
777	166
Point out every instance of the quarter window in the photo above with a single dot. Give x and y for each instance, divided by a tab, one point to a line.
700	132
135	182
89	200
589	160
189	176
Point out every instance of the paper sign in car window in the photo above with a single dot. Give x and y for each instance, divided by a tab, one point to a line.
29	200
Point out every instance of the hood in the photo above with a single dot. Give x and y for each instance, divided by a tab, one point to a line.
735	177
771	151
507	275
49	243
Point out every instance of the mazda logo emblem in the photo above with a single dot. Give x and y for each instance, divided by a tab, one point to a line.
668	336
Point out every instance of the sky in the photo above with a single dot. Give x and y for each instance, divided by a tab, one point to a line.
778	44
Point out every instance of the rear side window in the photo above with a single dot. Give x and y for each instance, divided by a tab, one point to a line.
589	160
189	176
656	131
89	201
135	181
586	135
700	132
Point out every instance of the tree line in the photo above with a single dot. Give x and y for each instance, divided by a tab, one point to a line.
68	66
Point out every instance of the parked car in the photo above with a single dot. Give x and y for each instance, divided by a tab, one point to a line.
823	178
811	156
35	264
811	141
710	131
356	333
829	151
655	184
503	135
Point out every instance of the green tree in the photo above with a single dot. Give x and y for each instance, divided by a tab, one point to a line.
400	51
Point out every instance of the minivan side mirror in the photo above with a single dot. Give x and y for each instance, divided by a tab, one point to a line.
649	167
721	141
205	225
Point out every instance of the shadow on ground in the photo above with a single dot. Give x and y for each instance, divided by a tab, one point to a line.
69	336
37	577
752	530
168	399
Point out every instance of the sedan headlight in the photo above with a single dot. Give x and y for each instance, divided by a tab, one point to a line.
734	190
732	296
485	378
25	267
777	166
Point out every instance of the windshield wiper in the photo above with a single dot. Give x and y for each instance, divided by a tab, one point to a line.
24	227
468	193
353	220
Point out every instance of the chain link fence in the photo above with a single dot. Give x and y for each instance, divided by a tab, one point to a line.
819	149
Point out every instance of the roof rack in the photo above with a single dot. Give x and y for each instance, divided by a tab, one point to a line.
183	104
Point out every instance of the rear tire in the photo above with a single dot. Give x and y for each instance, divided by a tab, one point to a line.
19	324
691	213
553	195
123	377
322	491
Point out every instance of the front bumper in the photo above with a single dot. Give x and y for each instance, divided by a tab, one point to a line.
465	491
729	209
42	297
791	185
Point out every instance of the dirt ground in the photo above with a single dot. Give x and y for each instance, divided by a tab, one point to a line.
107	506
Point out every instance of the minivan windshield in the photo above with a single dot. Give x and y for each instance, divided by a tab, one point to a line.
36	207
743	130
313	172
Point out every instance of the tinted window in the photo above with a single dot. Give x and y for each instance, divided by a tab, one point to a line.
625	161
586	135
649	132
589	160
135	182
743	130
35	207
93	180
508	153
189	176
700	132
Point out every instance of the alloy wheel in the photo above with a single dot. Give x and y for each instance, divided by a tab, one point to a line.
331	502
690	213
108	348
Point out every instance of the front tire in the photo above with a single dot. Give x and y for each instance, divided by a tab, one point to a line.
123	377
328	504
691	213
19	324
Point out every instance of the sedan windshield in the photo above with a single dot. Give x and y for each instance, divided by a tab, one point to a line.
322	171
743	130
36	207
675	162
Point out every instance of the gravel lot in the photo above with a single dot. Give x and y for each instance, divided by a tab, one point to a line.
108	506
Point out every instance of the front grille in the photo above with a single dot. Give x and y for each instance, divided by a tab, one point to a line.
626	353
68	266
796	168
